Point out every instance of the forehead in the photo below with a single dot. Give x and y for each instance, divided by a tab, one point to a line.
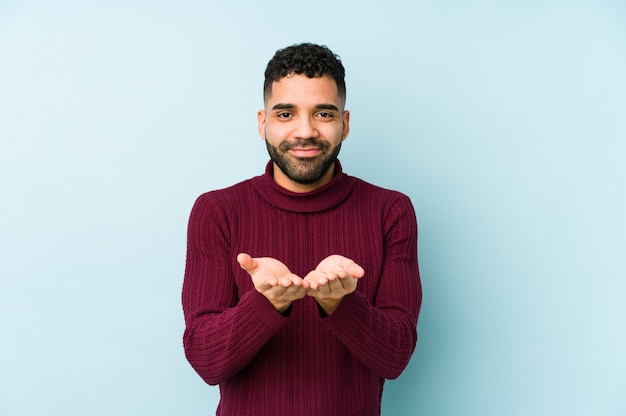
300	89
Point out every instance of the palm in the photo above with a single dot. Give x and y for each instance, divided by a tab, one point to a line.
269	271
340	265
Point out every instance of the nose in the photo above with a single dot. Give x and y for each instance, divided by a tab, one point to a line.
305	128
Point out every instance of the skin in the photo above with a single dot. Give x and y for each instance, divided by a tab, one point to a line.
304	120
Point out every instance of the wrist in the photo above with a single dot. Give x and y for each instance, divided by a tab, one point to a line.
282	307
329	305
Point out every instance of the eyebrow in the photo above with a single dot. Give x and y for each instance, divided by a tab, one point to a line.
287	106
331	107
283	106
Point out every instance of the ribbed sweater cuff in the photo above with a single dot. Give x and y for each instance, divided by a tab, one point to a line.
263	311
354	304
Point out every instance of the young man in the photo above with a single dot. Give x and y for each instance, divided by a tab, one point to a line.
302	291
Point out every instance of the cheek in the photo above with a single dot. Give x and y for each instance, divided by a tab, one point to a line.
333	133
275	131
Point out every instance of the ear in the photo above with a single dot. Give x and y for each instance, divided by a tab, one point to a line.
345	116
261	117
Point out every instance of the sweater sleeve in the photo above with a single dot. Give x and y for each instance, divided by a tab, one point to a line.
223	332
382	334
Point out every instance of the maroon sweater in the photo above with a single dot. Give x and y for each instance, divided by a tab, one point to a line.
304	363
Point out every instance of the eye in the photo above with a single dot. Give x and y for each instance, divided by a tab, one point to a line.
325	114
283	115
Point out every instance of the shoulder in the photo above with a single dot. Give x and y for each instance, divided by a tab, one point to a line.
227	195
221	203
384	196
394	209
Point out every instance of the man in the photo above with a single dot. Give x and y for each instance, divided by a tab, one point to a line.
302	291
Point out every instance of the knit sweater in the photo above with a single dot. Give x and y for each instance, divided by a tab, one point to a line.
302	362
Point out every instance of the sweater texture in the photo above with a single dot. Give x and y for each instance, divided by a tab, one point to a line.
302	362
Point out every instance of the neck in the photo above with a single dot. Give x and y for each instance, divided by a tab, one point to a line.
283	180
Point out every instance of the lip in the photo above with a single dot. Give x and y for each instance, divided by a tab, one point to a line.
305	151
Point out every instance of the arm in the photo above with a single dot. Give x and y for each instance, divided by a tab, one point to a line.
382	335
223	331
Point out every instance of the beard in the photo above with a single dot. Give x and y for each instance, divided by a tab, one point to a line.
299	169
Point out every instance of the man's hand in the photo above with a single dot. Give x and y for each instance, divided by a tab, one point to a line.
273	280
335	277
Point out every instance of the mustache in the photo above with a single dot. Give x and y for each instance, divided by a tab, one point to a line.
303	144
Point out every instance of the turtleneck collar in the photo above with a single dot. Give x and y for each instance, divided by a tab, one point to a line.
320	199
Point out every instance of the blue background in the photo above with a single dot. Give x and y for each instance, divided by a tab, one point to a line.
503	121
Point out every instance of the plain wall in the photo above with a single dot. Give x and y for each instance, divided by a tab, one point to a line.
503	121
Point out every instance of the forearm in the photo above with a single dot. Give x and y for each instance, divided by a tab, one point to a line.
382	339
218	345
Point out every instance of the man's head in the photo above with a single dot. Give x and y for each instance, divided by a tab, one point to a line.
305	59
304	121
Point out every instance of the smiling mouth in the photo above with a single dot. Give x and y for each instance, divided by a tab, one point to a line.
305	151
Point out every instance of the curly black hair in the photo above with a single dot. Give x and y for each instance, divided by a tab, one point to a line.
308	59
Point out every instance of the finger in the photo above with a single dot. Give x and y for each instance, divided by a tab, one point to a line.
337	273
294	293
290	293
271	281
265	281
265	286
316	279
341	273
335	287
349	271
355	270
324	290
296	280
246	262
292	280
321	281
327	273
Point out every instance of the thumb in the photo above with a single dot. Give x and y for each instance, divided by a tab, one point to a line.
246	262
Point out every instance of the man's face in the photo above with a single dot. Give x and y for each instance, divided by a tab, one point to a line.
303	125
